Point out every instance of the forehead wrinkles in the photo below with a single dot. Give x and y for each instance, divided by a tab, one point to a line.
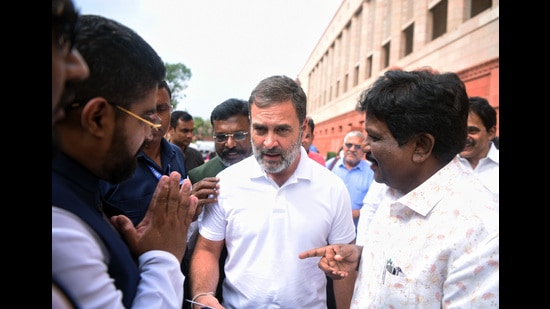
282	114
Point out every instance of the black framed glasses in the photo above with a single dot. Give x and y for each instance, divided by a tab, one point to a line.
222	137
355	146
64	17
154	126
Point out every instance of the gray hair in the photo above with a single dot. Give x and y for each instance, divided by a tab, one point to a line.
355	134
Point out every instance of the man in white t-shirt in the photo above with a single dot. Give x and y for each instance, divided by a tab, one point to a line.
272	206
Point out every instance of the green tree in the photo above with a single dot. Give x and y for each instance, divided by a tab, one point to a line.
203	129
177	76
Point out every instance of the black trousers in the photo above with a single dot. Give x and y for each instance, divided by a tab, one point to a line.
331	301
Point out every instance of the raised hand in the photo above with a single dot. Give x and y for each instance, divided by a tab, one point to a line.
206	190
166	222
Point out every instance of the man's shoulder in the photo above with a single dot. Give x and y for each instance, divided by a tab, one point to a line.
365	166
174	147
322	172
197	173
317	157
195	153
193	150
209	169
241	168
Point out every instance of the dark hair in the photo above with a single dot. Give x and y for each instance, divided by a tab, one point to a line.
177	115
164	84
123	66
422	101
485	111
229	108
64	17
496	141
311	124
279	88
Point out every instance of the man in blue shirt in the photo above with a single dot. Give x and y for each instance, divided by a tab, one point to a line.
354	170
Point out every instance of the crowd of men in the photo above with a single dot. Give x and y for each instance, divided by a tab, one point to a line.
138	220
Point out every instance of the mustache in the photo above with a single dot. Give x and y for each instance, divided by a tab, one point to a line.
369	157
273	151
226	152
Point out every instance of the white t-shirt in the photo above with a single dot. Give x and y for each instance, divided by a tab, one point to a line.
265	227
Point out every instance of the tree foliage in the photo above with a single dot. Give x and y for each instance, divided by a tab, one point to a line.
177	76
203	129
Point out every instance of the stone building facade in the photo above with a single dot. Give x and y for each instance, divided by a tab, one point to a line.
367	37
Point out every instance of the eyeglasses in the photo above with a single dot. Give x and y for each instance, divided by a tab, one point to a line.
154	126
222	137
356	146
64	17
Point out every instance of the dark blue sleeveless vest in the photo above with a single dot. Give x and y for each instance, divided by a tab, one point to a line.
75	189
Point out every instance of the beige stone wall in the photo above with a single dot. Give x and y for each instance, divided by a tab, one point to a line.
336	71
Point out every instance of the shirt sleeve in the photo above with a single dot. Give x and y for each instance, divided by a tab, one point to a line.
79	259
161	284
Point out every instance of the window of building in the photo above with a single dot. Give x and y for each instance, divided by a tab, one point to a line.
368	67
408	35
478	6
346	78
439	19
356	76
386	55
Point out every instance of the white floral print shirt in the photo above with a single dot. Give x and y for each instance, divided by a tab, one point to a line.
444	238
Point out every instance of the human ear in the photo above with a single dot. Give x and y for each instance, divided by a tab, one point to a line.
98	117
492	132
423	146
304	127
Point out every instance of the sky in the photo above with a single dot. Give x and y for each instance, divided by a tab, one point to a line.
229	45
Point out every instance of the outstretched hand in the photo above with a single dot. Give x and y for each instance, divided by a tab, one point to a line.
336	260
166	222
